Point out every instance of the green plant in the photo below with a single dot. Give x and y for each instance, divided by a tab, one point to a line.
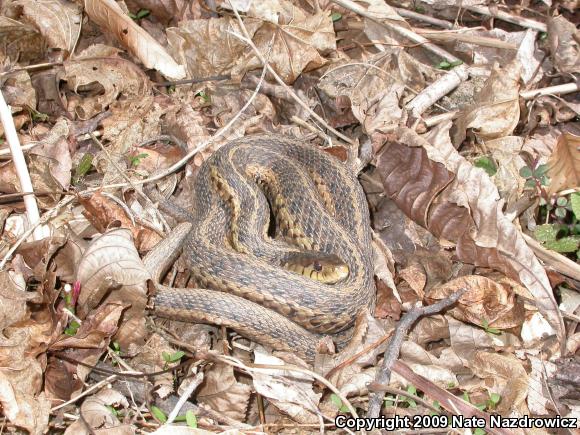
136	160
338	403
141	13
335	16
488	329
72	329
446	65
172	357
535	178
487	164
84	166
158	414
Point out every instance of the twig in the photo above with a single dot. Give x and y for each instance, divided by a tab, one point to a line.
467	38
311	128
21	170
566	88
26	147
425	18
392	352
193	384
248	40
193	81
84	393
504	16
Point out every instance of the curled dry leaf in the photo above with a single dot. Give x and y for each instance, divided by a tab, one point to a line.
100	64
101	211
439	189
486	302
18	92
222	392
564	40
59	21
564	164
505	375
13	297
290	392
111	269
496	109
109	15
97	414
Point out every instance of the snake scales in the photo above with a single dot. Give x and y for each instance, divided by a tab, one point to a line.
318	203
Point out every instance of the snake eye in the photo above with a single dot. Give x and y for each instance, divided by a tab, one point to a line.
317	266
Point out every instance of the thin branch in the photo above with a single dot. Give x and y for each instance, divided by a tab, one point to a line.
392	352
21	170
193	384
504	16
84	393
425	18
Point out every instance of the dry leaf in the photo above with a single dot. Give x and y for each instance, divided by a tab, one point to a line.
100	64
507	377
486	302
109	15
290	392
496	109
564	164
111	268
59	21
222	392
13	297
18	92
564	40
440	190
101	211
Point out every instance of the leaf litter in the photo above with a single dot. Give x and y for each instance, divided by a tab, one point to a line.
462	123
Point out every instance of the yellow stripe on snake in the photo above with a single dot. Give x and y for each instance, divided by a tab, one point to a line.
248	278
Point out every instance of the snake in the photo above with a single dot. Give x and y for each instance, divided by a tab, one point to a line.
278	243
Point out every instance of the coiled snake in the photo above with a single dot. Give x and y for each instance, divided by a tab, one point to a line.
320	211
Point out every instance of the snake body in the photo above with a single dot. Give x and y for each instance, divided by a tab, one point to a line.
320	209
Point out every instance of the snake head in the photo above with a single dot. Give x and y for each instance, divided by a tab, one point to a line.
325	268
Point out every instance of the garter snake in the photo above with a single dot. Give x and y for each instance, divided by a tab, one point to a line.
320	210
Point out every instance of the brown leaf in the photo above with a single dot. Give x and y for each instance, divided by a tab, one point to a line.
102	212
486	302
290	392
440	190
506	376
100	64
59	22
13	297
564	40
564	164
222	392
109	15
21	42
496	109
112	271
18	92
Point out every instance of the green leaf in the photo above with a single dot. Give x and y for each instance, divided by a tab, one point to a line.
565	244
191	419
456	63
478	431
466	397
544	180
546	233
411	402
335	16
336	400
530	183
135	160
411	389
541	170
72	328
480	406
575	201
159	414
132	16
113	410
486	164
561	201
561	212
173	357
143	13
525	172
84	165
543	36
443	65
494	398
